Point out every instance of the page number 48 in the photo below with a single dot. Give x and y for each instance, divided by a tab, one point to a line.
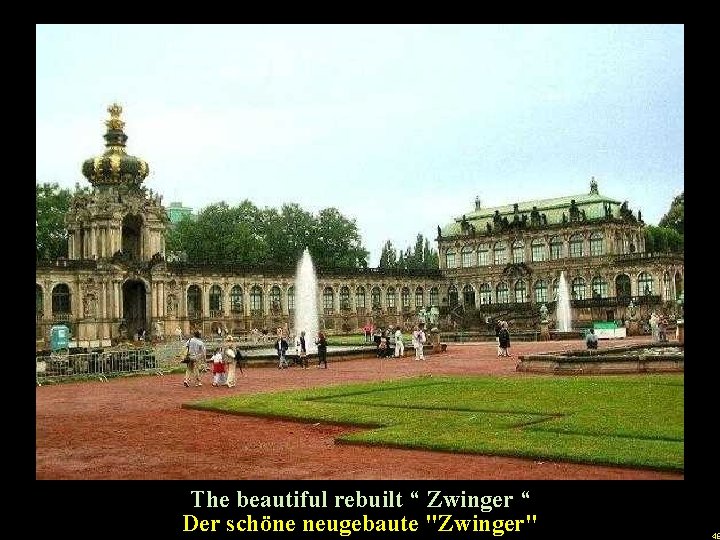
716	536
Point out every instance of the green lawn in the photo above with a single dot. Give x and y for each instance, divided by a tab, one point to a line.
634	420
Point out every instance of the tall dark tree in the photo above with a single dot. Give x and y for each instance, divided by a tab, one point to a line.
388	256
675	218
421	256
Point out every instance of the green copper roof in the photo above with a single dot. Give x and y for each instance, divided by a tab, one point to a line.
593	204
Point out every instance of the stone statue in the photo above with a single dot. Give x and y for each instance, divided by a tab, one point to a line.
422	315
434	316
543	313
632	310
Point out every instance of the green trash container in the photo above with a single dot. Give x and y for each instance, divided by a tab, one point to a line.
59	337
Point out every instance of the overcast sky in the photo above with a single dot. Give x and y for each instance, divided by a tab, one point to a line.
399	127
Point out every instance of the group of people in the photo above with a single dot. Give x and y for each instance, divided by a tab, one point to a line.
658	327
502	336
225	361
282	346
388	342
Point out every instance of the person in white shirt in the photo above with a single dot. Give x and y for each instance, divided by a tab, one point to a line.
418	340
399	345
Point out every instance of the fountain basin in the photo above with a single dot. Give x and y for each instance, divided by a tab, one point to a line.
656	358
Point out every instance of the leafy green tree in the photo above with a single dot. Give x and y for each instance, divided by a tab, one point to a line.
248	235
336	242
663	240
675	218
51	206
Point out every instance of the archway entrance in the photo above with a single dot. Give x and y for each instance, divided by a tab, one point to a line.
135	307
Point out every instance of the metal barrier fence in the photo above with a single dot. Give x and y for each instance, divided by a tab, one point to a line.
106	363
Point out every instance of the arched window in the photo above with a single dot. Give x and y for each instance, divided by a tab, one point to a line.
645	284
578	289
419	297
194	301
256	299
538	250
485	294
38	300
450	258
678	285
236	299
405	298
275	296
556	248
599	287
360	297
215	301
520	291
375	297
61	300
502	293
390	297
518	251
452	296
540	291
291	298
576	245
328	299
469	296
596	244
434	297
466	257
344	298
483	255
667	295
499	253
622	286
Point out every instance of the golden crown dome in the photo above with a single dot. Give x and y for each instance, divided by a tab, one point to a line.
115	166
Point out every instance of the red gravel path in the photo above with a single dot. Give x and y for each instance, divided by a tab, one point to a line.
135	428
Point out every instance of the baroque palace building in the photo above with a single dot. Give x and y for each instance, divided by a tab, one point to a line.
499	262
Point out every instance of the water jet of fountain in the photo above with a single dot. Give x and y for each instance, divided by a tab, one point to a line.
306	314
563	313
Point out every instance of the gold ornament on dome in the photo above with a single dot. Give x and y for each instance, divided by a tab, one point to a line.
115	111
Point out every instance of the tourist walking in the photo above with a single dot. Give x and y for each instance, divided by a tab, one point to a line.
281	347
504	339
368	333
418	341
321	343
591	339
194	357
377	339
303	350
399	345
390	335
218	368
498	326
229	358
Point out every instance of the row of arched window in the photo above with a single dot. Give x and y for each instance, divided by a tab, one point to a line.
542	291
501	252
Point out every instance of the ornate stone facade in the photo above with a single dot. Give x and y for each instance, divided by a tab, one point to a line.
493	262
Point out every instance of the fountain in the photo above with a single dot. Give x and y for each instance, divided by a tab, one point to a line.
306	314
563	313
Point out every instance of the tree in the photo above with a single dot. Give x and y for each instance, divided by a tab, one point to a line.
663	240
388	256
421	257
251	236
675	218
51	206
